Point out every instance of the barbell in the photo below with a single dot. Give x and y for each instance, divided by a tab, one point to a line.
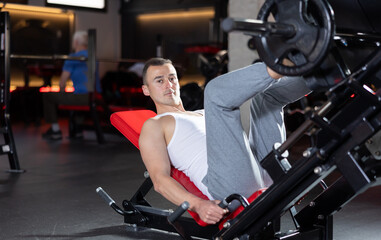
68	57
299	30
48	57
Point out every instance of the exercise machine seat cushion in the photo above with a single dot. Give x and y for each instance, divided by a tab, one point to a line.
130	123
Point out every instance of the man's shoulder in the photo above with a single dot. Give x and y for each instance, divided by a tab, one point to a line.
157	122
150	128
158	127
149	123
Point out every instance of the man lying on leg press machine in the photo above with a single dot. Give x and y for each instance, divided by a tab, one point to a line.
210	145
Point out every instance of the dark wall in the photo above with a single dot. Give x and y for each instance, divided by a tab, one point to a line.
144	6
140	38
357	15
174	35
39	34
17	1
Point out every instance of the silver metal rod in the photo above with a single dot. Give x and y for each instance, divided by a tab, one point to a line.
47	57
67	57
119	60
257	27
300	131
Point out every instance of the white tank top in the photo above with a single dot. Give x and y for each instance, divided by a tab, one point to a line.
187	148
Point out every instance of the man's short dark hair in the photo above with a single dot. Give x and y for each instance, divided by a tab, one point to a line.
153	62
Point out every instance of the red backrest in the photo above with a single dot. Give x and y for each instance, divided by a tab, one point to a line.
130	123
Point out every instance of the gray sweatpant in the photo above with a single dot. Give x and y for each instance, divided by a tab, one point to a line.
233	158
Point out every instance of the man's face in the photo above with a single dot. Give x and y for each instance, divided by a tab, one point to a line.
162	85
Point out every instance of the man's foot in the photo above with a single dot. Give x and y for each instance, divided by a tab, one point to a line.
52	135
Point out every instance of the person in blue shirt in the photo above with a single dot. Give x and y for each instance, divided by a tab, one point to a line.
76	71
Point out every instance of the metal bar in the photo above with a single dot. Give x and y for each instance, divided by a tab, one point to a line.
157	219
67	57
298	133
91	83
273	166
97	124
47	57
172	220
257	27
364	36
121	60
144	188
4	91
91	61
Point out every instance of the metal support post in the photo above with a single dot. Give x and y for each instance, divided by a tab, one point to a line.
5	124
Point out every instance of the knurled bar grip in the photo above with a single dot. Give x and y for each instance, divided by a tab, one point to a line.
105	196
178	212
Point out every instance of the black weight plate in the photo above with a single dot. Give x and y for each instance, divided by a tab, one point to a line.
314	24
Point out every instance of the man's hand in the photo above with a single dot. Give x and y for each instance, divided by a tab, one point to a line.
209	211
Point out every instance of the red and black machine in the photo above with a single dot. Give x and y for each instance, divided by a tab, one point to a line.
337	54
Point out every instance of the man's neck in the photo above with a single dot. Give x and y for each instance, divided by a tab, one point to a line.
164	109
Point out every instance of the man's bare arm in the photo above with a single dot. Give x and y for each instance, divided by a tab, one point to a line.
154	153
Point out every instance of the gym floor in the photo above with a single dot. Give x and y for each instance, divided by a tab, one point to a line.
55	198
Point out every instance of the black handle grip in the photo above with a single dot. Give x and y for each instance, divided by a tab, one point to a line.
178	212
223	204
105	196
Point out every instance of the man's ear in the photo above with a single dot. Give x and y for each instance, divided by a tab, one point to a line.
145	90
